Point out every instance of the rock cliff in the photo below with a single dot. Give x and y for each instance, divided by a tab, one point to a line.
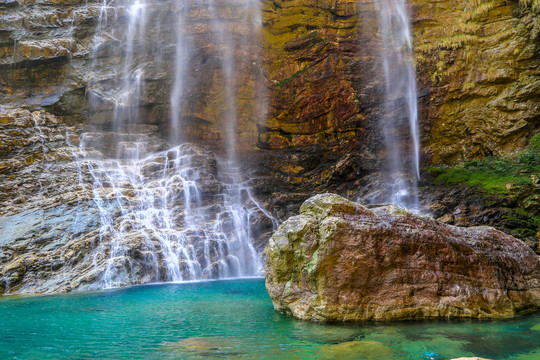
310	90
311	97
478	67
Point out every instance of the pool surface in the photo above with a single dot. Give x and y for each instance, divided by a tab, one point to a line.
233	320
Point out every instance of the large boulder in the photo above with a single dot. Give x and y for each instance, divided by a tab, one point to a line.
340	261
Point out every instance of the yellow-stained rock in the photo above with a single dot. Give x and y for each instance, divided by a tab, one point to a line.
480	62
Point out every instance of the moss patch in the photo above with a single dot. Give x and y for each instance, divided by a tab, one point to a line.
495	175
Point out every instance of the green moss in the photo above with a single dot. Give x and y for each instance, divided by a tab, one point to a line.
535	143
285	81
495	175
523	232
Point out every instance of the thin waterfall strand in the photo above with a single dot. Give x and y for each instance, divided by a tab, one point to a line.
400	91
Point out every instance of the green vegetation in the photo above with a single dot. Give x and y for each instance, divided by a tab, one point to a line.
510	180
495	175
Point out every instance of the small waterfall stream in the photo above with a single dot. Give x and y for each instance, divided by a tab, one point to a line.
168	212
400	103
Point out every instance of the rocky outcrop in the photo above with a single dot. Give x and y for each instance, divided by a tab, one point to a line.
340	261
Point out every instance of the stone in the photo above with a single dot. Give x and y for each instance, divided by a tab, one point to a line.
479	63
205	347
340	261
44	49
352	350
447	218
463	205
8	3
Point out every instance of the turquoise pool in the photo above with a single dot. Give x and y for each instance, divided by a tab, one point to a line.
233	320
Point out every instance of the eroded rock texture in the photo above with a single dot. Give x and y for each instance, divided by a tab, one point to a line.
478	67
309	89
73	218
309	86
340	261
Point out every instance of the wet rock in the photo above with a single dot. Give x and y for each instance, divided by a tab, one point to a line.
214	346
44	49
340	261
366	349
514	213
73	216
9	3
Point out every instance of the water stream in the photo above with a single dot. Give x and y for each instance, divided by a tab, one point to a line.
169	210
400	103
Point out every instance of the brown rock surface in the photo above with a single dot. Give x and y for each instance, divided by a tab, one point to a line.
340	261
314	68
514	213
478	67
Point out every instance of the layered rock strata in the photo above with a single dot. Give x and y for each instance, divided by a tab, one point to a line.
478	71
71	218
317	82
340	261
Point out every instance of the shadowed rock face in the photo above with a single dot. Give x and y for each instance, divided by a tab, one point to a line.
340	261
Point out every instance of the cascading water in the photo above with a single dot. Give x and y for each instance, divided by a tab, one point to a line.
400	105
167	213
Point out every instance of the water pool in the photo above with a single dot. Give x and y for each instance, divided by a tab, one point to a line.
233	320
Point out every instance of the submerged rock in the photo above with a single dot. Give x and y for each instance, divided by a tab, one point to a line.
366	349
204	347
340	261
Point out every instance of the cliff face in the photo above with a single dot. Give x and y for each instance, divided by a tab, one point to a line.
66	56
309	89
478	75
319	82
319	62
44	47
478	65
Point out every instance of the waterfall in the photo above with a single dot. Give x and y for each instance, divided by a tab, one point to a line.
400	103
169	210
